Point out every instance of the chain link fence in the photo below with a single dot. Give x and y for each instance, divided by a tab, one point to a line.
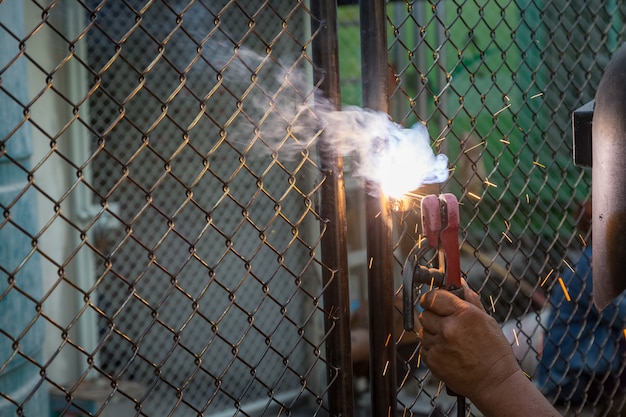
162	231
497	83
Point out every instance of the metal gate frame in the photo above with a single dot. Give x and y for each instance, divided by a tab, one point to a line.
379	222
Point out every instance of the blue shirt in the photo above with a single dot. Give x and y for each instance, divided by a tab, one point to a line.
581	343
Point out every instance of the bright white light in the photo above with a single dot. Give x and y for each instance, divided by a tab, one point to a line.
403	161
398	159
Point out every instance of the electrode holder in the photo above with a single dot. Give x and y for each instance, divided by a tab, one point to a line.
440	226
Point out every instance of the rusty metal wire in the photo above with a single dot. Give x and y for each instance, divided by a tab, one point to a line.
178	239
161	232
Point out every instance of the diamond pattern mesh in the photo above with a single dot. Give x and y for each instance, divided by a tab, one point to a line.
160	187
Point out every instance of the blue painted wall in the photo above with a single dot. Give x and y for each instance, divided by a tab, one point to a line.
21	331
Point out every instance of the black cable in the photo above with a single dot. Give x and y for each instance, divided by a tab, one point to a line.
460	406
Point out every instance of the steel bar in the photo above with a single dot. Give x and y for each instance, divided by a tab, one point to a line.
375	75
333	213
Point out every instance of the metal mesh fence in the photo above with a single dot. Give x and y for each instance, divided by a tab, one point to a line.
497	83
177	232
160	186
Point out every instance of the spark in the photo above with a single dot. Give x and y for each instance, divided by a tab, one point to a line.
439	388
527	199
378	214
565	292
493	306
507	225
516	339
416	230
440	137
371	262
474	147
387	341
404	161
490	184
507	98
536	95
471	194
539	164
502	109
624	333
386	366
432	283
582	239
507	237
332	310
419	358
546	278
505	141
568	265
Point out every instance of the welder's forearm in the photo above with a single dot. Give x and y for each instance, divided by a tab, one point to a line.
517	396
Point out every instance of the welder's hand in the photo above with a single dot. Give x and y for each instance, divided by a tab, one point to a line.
462	345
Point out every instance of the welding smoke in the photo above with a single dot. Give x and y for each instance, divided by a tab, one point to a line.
398	159
285	115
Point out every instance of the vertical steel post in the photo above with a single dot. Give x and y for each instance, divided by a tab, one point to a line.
334	228
375	76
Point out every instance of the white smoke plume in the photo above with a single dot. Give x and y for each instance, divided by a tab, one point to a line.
288	116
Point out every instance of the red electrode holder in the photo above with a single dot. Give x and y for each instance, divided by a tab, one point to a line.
440	225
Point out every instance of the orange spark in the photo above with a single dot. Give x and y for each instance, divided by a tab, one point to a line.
567	297
490	184
439	388
546	278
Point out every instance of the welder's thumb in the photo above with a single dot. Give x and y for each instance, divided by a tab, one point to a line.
470	295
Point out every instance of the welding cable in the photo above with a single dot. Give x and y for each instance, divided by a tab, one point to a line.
460	406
